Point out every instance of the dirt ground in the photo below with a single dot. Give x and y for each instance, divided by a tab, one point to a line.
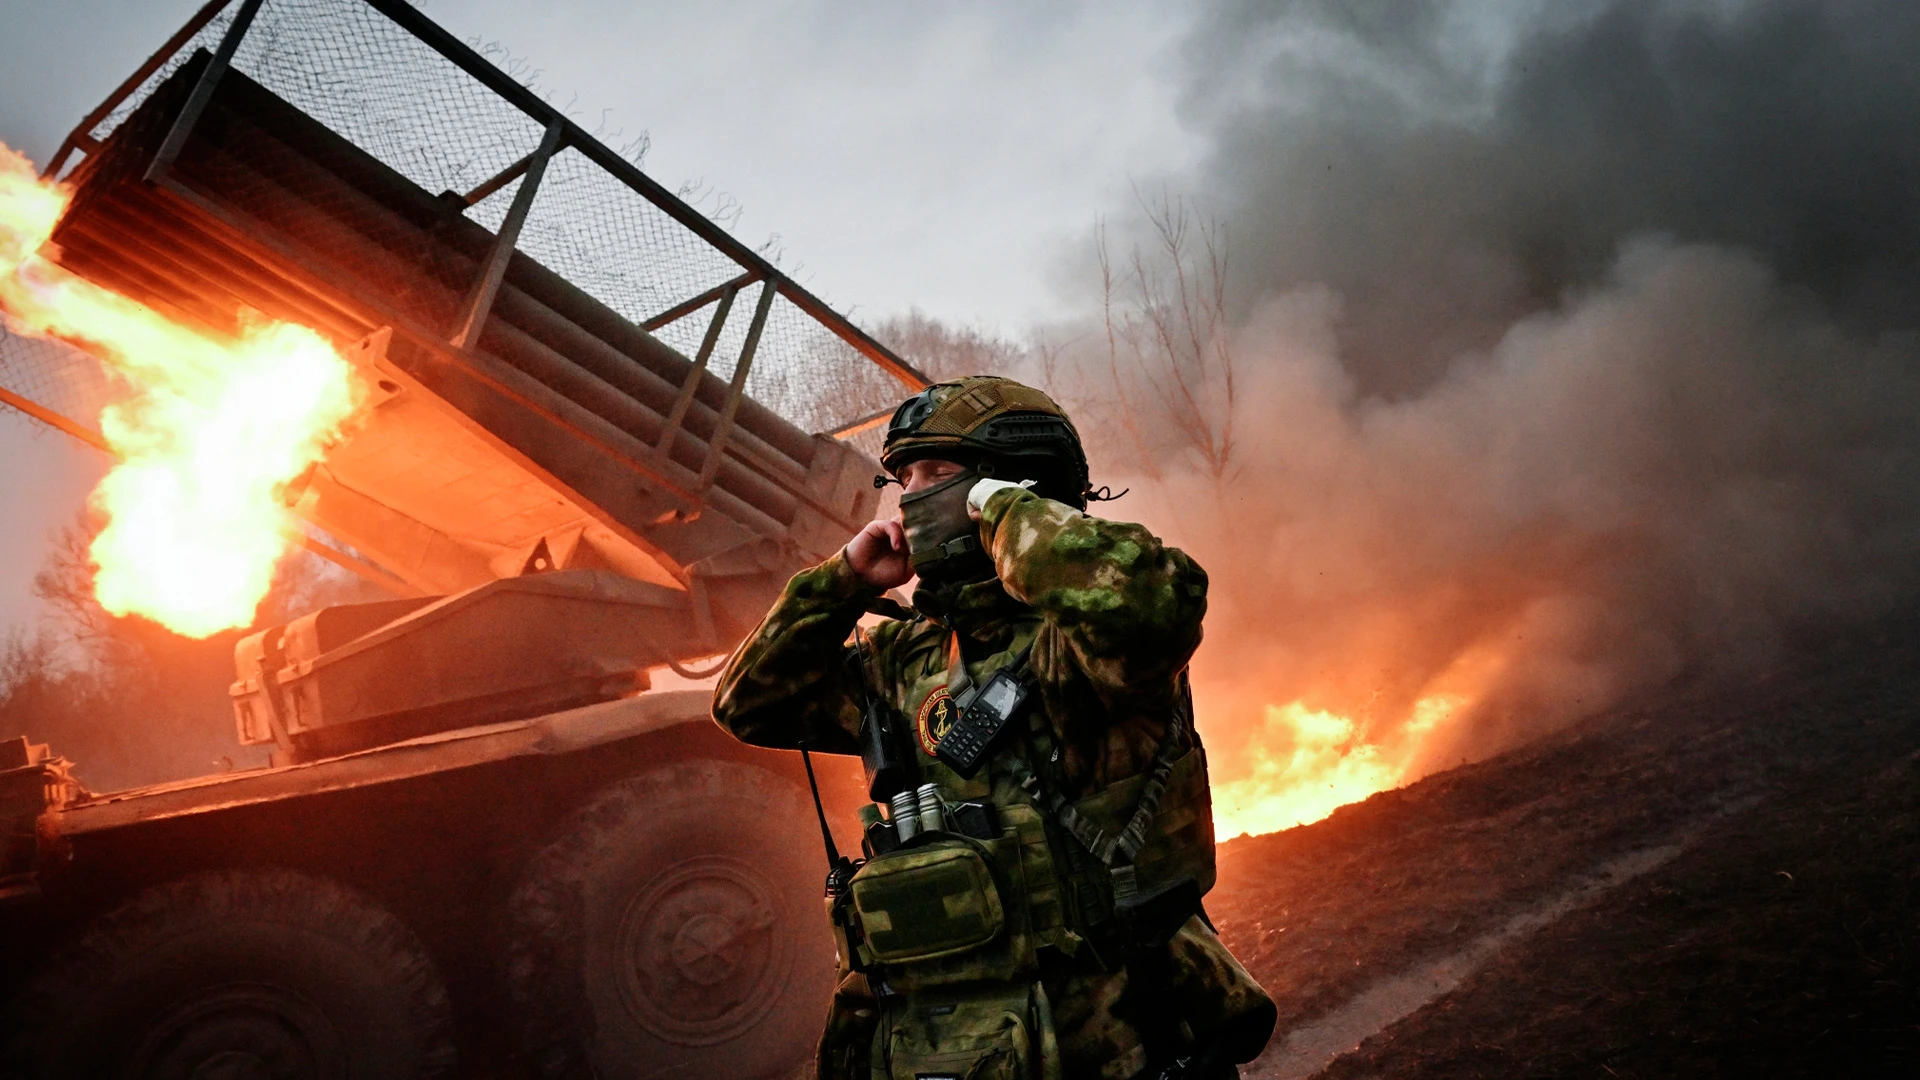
1774	935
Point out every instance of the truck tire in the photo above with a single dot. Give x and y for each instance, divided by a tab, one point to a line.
675	929
236	974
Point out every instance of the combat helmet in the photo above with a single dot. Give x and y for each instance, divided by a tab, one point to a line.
997	426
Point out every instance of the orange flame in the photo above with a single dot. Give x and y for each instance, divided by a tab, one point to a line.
1303	763
211	433
1307	763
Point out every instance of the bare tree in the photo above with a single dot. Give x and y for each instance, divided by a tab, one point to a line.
1170	352
65	582
945	351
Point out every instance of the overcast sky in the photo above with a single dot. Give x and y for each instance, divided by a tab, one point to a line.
950	157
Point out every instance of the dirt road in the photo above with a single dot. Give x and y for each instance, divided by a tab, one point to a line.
1718	882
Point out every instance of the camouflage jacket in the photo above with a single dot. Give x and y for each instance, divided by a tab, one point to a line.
1111	613
1113	616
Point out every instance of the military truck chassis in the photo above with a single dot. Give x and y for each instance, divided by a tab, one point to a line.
615	889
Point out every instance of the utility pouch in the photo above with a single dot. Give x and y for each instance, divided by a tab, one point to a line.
945	910
998	1033
926	902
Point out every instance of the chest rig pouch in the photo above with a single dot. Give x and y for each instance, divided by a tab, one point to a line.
945	922
945	909
927	903
992	1032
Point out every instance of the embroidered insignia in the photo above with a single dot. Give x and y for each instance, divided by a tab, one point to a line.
936	718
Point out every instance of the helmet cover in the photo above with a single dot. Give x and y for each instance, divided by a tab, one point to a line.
998	426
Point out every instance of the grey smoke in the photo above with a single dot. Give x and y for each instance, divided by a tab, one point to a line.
1581	336
1448	167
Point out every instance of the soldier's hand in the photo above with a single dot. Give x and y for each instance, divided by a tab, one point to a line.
878	555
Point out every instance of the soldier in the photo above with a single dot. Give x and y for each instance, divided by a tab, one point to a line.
1030	905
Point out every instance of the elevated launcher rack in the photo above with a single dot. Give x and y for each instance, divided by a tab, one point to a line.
574	368
601	435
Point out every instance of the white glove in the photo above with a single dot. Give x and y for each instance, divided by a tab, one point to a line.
983	490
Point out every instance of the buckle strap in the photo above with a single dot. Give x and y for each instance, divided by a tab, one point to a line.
1117	853
953	549
1086	832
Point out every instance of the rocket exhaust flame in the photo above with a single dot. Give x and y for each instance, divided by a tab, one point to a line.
211	432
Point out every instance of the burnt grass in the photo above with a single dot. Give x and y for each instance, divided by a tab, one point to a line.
1783	941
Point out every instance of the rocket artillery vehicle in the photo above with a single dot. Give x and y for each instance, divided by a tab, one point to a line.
603	433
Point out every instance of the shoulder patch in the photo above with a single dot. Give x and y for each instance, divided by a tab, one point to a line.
936	718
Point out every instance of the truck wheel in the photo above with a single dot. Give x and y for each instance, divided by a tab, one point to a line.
675	929
236	974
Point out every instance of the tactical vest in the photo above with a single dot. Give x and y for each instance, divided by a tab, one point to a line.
949	923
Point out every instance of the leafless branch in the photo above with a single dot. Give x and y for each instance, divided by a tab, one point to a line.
1168	316
1121	327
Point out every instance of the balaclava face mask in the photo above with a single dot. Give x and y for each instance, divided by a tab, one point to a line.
943	542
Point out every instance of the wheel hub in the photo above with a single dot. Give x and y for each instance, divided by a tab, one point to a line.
698	958
241	1032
